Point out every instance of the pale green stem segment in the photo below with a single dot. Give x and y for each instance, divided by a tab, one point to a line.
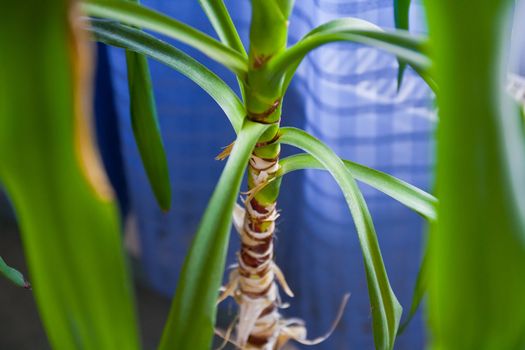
268	37
144	122
386	310
12	274
145	18
192	316
407	194
132	39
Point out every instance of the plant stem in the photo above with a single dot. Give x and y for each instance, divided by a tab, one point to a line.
259	319
253	284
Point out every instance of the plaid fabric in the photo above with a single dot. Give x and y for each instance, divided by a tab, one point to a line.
344	94
351	103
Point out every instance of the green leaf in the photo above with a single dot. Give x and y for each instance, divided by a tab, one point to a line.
68	220
419	292
135	40
146	129
401	13
386	310
409	48
401	19
477	261
192	316
411	196
145	18
13	275
221	21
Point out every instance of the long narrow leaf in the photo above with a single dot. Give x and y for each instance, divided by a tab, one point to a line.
222	23
68	220
12	274
401	14
386	310
411	196
143	17
419	292
414	198
146	128
129	38
192	315
409	48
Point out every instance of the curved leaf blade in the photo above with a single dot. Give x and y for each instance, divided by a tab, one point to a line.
386	310
12	274
146	128
145	18
407	194
409	48
192	315
119	35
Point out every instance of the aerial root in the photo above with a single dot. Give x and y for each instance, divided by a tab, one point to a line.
227	335
282	280
284	330
230	289
294	329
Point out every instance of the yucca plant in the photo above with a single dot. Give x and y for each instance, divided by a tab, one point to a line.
264	74
70	225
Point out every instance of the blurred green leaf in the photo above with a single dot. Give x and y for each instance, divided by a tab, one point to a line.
145	18
401	19
411	196
12	274
386	310
192	316
477	265
401	13
69	223
144	122
146	129
132	39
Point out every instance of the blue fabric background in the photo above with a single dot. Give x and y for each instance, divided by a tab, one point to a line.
344	94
